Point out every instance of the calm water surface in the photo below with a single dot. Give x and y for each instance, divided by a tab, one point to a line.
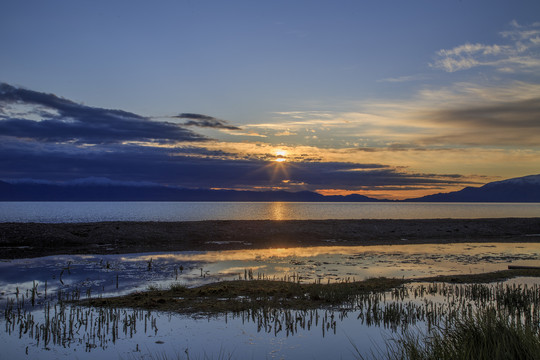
57	212
155	335
151	335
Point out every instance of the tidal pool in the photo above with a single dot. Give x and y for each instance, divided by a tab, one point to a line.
325	333
108	275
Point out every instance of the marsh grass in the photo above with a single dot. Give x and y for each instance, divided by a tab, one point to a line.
451	313
240	295
289	293
489	334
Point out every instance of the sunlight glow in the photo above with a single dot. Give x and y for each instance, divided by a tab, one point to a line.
281	156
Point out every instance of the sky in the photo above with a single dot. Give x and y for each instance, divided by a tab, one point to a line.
388	99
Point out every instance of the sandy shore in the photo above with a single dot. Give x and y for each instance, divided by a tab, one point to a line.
21	240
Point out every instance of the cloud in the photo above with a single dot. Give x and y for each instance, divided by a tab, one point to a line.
193	167
524	114
495	114
494	117
205	121
402	79
47	117
285	133
44	137
520	53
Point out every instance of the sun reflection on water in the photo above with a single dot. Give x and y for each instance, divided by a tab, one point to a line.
278	211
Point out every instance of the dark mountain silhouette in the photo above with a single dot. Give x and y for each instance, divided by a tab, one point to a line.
522	189
115	191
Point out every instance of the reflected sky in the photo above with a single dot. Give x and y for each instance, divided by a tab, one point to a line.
336	263
106	275
118	274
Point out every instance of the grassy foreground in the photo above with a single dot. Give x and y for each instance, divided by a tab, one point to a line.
462	318
240	295
488	335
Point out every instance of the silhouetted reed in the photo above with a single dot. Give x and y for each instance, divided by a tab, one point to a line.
275	307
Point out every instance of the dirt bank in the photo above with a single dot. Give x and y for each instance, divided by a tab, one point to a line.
20	240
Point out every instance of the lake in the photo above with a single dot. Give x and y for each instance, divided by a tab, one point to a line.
58	212
55	330
49	330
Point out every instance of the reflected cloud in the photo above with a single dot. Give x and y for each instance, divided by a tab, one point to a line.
471	249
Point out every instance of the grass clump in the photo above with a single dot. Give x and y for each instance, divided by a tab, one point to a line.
489	335
240	295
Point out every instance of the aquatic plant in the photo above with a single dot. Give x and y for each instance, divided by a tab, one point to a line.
276	307
488	334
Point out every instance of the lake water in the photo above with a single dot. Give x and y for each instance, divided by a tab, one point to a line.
327	333
57	212
110	275
135	334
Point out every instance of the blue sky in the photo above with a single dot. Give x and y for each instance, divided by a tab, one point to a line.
385	98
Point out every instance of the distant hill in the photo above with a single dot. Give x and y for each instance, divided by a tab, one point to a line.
106	190
522	189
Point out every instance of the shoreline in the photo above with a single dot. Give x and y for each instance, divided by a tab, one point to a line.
28	240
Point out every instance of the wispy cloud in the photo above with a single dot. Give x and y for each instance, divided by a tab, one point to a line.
205	121
285	133
402	79
519	53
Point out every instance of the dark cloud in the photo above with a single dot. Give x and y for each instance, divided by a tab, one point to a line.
62	120
193	167
509	123
50	149
205	121
356	176
516	114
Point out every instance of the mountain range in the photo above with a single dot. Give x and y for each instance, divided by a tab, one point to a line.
103	190
522	189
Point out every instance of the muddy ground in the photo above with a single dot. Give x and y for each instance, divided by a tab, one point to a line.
22	240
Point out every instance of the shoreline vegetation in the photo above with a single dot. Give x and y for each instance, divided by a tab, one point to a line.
470	305
252	293
463	317
502	323
27	240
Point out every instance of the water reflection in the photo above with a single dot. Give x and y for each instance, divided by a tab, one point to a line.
278	211
119	274
360	262
61	331
62	212
38	322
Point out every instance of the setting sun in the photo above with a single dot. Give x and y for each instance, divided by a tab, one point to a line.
281	156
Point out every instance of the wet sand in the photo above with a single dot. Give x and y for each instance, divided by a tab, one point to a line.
26	240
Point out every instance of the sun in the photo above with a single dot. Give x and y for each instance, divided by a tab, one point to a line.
281	156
